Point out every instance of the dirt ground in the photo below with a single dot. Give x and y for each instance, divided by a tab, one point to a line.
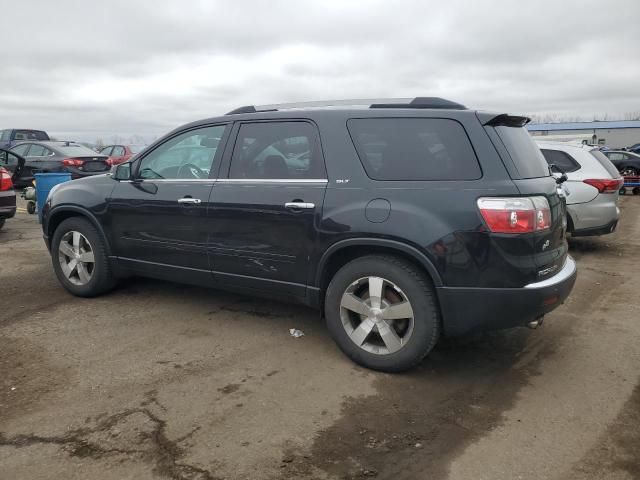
157	381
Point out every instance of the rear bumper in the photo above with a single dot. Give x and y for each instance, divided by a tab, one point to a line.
596	215
466	310
602	230
7	204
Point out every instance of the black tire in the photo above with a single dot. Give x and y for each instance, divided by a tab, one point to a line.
102	278
630	172
31	207
2	220
417	288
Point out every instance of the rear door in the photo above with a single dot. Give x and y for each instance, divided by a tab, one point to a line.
263	217
532	176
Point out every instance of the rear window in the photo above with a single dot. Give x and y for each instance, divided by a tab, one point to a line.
136	148
31	135
561	160
524	152
414	149
76	151
606	163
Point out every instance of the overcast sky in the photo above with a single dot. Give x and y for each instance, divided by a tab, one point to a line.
88	69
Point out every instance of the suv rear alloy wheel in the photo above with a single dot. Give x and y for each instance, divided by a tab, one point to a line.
382	313
79	258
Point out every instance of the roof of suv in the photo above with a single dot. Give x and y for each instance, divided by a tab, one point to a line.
417	103
378	107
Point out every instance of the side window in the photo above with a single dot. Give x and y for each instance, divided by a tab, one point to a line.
561	160
48	153
106	150
118	151
414	149
190	155
6	136
615	156
37	151
21	149
277	150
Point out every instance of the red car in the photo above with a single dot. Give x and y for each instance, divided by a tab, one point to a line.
120	153
10	169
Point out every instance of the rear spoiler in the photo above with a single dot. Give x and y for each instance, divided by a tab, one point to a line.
502	120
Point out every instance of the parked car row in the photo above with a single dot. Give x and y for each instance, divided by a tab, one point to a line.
401	221
40	154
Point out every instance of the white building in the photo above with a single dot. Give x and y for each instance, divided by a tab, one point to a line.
622	133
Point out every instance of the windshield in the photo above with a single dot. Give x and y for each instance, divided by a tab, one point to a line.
525	153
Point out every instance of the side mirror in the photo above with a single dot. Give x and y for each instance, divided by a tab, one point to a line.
122	171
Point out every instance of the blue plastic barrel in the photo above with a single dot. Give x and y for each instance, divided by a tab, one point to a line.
44	183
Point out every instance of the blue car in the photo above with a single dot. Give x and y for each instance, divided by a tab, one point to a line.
10	136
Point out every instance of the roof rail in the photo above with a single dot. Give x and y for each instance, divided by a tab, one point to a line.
422	102
418	102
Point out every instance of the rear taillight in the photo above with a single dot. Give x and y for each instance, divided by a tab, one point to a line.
606	185
72	162
109	161
5	180
515	214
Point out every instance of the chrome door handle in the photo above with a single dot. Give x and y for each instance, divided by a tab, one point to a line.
195	201
300	205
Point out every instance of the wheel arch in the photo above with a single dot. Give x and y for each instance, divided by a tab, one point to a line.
342	252
58	215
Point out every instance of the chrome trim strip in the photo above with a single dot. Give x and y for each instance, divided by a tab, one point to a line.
231	180
179	180
273	180
567	270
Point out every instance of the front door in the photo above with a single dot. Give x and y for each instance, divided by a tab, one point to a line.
263	217
157	219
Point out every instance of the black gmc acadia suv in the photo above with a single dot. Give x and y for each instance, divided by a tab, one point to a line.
401	220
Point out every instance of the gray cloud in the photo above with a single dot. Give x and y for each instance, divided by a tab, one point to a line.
116	67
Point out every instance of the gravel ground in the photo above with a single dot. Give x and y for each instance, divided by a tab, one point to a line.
157	380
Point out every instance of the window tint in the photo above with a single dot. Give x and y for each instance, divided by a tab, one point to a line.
31	135
118	151
524	152
561	160
414	149
36	151
189	155
277	150
21	149
606	163
106	150
615	156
